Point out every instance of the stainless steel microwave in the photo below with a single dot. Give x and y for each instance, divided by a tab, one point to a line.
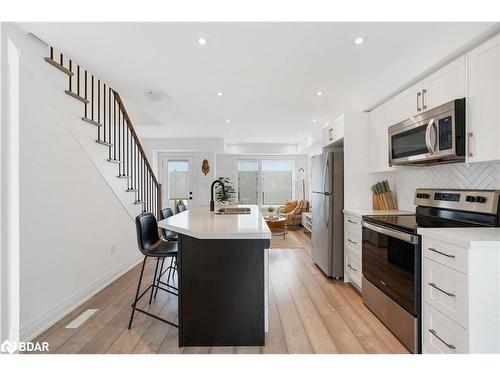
433	137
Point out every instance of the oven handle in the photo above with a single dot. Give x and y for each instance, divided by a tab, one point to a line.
410	238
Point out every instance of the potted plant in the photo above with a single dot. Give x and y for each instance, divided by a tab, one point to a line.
229	192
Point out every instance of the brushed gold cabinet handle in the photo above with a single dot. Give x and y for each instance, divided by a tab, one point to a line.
441	253
352	222
351	241
419	95
352	268
442	290
424	91
440	339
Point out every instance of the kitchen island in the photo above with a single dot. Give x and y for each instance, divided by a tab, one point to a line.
223	276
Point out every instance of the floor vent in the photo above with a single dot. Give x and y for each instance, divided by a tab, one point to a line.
81	318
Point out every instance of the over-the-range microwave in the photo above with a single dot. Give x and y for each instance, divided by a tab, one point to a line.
432	137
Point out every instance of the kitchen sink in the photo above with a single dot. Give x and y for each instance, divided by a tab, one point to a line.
233	211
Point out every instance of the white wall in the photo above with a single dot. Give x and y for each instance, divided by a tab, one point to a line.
262	148
75	234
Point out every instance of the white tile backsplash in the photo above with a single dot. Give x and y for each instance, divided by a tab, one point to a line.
485	175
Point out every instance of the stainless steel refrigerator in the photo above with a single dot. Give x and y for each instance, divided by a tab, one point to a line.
327	212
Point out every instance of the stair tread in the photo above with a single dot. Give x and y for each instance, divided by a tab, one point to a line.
91	121
123	176
58	66
139	202
131	190
114	161
76	96
104	143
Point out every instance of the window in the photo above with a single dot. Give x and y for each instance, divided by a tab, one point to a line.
265	182
248	179
276	181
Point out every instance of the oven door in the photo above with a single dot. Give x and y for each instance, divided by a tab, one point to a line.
391	262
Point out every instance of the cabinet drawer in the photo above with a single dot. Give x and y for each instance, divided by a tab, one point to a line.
440	334
352	222
445	290
352	240
353	267
445	253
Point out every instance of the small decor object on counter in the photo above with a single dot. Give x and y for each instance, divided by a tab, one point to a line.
225	196
270	209
205	168
383	197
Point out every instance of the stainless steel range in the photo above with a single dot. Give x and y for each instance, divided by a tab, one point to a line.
392	253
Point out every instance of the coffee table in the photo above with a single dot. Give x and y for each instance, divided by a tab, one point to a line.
277	225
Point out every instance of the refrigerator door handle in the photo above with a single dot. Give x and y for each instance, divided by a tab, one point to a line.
325	172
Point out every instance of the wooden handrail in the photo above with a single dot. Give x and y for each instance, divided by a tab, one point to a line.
134	134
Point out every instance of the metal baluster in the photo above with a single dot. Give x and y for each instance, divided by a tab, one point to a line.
92	100
61	59
119	140
124	158
70	77
78	80
86	94
99	108
52	53
114	130
104	112
109	121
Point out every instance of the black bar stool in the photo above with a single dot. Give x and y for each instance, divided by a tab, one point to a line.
181	207
151	245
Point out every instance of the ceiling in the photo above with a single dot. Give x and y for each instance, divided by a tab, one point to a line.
269	73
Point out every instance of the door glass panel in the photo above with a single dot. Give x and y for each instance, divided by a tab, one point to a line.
178	182
409	143
248	177
276	181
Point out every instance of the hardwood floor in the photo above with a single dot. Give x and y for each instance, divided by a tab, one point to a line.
308	313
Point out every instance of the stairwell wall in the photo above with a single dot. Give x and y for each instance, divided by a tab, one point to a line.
76	234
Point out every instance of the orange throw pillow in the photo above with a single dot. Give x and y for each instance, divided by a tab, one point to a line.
289	207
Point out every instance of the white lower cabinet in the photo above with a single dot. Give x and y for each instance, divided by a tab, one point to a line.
352	250
460	294
441	334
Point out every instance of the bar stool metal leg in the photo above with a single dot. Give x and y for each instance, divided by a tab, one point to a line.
137	293
154	280
159	277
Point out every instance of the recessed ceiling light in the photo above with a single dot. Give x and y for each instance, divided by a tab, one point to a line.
220	93
319	93
202	41
228	121
359	40
299	133
231	133
156	96
315	120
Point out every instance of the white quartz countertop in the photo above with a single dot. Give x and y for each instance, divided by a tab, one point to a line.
359	213
199	222
466	237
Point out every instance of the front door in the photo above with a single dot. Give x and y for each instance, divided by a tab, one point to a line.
177	182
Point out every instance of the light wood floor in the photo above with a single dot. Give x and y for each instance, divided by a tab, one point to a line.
308	313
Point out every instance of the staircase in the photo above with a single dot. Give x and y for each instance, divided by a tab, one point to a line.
103	109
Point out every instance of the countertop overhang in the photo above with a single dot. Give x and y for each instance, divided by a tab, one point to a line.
199	222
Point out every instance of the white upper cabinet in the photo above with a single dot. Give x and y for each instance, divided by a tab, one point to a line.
378	139
445	85
408	103
483	108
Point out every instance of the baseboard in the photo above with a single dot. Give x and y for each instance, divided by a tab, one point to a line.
36	326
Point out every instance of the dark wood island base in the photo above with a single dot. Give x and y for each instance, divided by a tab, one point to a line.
221	291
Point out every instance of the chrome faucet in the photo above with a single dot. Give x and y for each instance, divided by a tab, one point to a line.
212	203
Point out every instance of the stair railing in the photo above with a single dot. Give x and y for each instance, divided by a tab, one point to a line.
104	109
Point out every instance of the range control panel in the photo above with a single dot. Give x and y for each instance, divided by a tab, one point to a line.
485	201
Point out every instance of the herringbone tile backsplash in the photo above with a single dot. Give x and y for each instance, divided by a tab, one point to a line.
484	175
